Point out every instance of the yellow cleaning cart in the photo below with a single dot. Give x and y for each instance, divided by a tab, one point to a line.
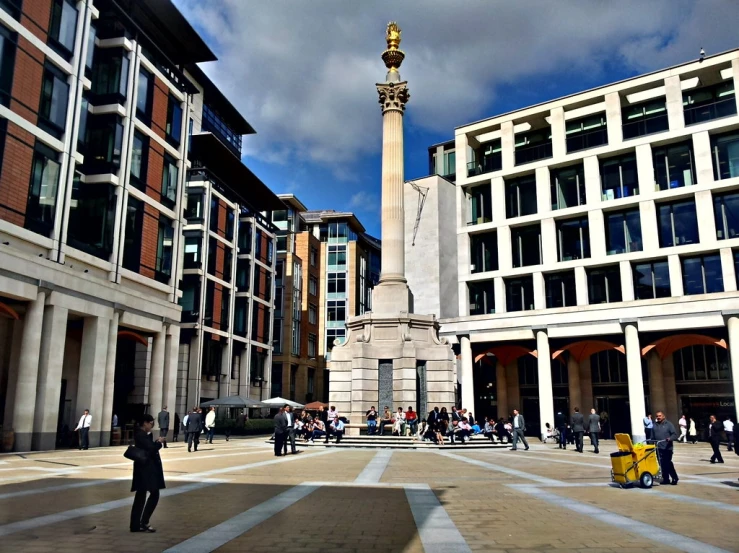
634	463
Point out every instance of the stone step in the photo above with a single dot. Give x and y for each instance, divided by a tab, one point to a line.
386	443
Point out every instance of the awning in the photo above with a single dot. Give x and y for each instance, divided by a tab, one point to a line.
281	402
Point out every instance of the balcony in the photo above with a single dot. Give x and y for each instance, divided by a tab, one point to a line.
644	126
533	152
725	107
487	164
586	140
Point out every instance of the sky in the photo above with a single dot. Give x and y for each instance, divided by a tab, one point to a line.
303	73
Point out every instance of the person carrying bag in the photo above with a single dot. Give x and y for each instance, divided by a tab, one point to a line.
148	475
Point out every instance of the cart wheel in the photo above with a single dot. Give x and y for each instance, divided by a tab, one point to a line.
646	480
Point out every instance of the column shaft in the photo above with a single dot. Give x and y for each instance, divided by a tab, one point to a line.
586	384
672	409
573	378
546	393
93	359
501	385
24	405
107	414
656	384
637	406
514	394
193	377
156	379
733	326
393	222
171	365
467	378
14	361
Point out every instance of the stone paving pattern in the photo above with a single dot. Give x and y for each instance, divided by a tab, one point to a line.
490	496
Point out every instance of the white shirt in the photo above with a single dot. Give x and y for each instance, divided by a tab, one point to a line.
515	422
115	420
728	426
210	419
289	419
85	421
683	423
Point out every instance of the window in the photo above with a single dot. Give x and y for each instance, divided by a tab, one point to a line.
63	27
276	340
334	334
651	280
311	383
245	236
336	256
520	196
528	371
132	239
243	269
169	181
54	99
174	121
623	231
240	315
336	286
212	122
82	131
281	244
104	144
313	256
568	187
297	291
144	95
41	207
230	223
573	240
13	7
480	204
139	160
7	64
618	177
701	363
295	343
678	224
526	245
560	289
90	50
519	293
225	309
312	285
194	209
279	301
702	275
312	314
228	267
336	310
673	166
449	168
210	292
608	367
165	241
190	300
110	77
482	297
212	255
533	145
645	118
604	285
312	345
485	159
483	252
708	103
588	132
193	250
725	150
92	218
726	213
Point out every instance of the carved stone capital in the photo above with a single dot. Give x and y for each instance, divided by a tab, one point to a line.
393	96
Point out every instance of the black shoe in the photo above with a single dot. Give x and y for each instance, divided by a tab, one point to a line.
721	462
147	528
526	449
596	451
135	529
713	462
664	482
674	482
278	454
189	450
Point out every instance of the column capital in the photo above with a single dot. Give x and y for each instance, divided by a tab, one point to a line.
393	96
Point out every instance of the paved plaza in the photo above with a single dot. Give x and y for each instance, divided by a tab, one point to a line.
237	496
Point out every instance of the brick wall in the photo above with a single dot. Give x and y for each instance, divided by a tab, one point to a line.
159	107
221	218
36	16
149	238
217	306
27	76
15	174
154	171
220	259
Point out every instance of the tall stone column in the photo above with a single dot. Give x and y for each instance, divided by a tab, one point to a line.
93	358
672	409
24	406
501	385
733	326
637	406
514	392
466	377
49	388
171	366
107	414
156	380
586	385
546	392
573	379
656	384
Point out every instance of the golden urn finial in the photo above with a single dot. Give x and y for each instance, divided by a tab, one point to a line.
393	36
393	57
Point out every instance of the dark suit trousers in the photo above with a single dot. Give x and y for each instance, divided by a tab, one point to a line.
280	440
594	440
563	437
291	437
193	438
143	509
85	437
665	461
518	433
716	451
163	434
578	440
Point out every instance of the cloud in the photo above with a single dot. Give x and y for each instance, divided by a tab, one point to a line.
363	201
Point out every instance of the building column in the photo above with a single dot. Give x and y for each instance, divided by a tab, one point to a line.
156	378
672	409
514	394
194	374
107	414
586	385
91	381
24	404
501	388
733	326
466	376
573	378
546	393
637	407
46	417
171	366
656	384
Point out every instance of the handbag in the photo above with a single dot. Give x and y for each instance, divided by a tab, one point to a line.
136	454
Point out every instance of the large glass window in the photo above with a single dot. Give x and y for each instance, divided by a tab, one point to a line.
725	150
312	314
520	196
608	367
174	121
708	103
519	293
588	132
245	236
336	286
618	177
480	204
312	285
90	50
526	245
484	252
194	209
651	280
144	95
92	218
63	27
213	122
42	191
7	63
104	144
678	224
487	158
702	275
604	285
674	166
165	241
573	239
482	297
132	240
110	76
12	7
334	335
139	160
726	213
560	289
701	363
568	187
336	256
336	311
243	268
54	99
623	231
645	118
533	145
169	181
449	167
193	250
190	300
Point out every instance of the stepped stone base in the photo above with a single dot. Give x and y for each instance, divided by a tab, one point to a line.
399	442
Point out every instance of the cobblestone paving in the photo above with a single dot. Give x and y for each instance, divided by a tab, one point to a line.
237	496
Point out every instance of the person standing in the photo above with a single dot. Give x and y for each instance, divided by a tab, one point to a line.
84	429
148	476
594	429
210	425
729	431
692	432
194	428
186	433
649	427
290	417
280	432
519	427
683	424
327	418
163	422
714	436
577	422
665	434
176	427
560	422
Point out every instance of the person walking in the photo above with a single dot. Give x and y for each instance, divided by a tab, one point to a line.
194	428
692	432
577	422
163	422
648	427
714	436
594	429
210	425
84	429
280	432
729	431
519	427
683	424
176	427
665	434
148	476
185	432
560	422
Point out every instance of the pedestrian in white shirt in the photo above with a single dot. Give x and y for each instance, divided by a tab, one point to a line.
84	429
729	431
683	429
210	425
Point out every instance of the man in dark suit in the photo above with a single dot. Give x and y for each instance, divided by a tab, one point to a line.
577	422
714	437
163	422
594	428
281	432
560	421
194	427
519	427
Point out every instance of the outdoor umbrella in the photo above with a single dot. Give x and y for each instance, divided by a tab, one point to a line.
235	401
315	405
281	402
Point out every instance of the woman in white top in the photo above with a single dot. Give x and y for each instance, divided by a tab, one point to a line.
399	423
692	434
